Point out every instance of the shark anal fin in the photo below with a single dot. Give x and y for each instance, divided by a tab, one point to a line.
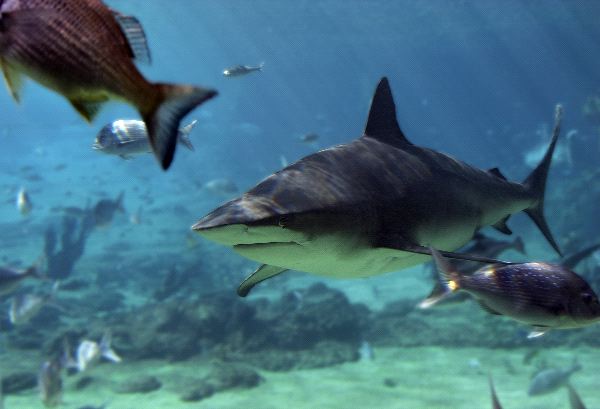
87	109
262	273
502	227
13	79
382	123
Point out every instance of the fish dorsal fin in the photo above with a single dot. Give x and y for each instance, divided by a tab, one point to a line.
496	172
382	123
136	37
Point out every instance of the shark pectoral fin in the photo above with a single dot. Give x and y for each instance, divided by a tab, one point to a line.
502	227
537	331
13	79
262	273
87	109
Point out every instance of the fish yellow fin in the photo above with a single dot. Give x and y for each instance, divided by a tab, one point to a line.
13	80
87	109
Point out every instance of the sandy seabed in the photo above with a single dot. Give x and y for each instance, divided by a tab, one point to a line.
431	377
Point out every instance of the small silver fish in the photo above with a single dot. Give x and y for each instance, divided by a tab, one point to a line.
239	70
129	137
24	204
549	380
542	295
50	383
89	352
23	307
221	187
309	137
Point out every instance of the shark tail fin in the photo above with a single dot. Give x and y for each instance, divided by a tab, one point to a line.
184	135
448	281
536	184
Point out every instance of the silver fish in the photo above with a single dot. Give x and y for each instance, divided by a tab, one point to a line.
239	70
129	137
221	187
543	295
89	352
371	206
549	380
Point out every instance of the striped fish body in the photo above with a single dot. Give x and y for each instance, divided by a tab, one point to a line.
84	51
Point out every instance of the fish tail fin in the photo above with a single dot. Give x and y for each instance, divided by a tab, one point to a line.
184	135
519	245
261	66
162	116
106	350
536	184
448	281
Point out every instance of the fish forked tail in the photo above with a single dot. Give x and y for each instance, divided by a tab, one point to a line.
536	184
184	135
106	350
448	281
163	114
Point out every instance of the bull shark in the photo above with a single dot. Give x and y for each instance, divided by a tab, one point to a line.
372	206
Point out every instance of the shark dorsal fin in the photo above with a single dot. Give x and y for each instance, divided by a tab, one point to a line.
382	124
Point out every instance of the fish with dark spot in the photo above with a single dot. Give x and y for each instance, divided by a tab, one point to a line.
544	296
128	138
84	51
549	380
371	206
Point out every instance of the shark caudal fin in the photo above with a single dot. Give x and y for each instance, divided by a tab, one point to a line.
162	116
536	184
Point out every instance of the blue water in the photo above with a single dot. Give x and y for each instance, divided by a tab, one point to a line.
474	79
